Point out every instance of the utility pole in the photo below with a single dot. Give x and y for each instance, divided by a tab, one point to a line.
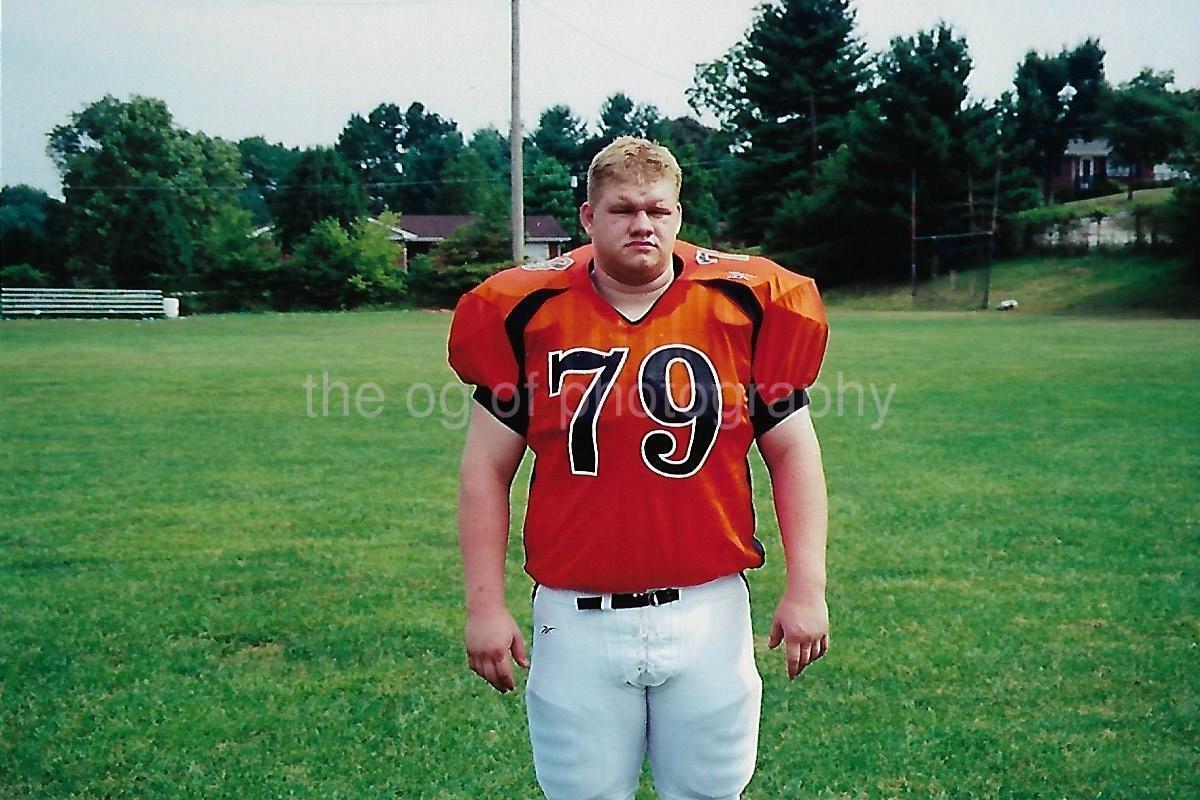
912	235
991	256
516	143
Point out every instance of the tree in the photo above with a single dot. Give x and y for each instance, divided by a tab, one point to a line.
1040	110
548	191
924	126
24	275
697	194
1144	120
318	272
377	278
374	146
1184	210
265	166
1020	187
788	88
621	116
430	144
616	117
703	155
854	224
561	135
1057	98
1085	76
493	148
476	179
138	192
399	155
469	186
320	186
819	233
333	267
423	166
235	269
1185	220
719	87
485	241
31	231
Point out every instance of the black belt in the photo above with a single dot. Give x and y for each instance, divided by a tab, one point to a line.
636	600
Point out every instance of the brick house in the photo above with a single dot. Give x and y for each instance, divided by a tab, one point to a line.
1088	163
420	233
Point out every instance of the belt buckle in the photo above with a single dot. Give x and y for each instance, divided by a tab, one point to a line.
653	598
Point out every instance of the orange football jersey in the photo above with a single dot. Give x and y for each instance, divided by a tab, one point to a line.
640	429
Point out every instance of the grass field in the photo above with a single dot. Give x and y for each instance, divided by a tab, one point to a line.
208	592
1105	282
1120	202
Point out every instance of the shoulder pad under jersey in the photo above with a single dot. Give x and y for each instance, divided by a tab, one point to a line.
507	288
768	280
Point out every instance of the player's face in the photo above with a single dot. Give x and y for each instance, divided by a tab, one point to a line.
633	228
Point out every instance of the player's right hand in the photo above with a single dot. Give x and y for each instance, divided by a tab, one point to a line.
491	636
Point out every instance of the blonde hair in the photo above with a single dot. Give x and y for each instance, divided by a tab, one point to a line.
634	160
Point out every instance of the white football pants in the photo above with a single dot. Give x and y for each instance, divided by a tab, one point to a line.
676	682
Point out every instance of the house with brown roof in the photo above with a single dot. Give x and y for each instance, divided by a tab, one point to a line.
420	233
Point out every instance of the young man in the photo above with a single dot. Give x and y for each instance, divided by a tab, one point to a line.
639	370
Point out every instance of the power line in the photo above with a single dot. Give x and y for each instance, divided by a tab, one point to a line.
230	188
347	3
605	46
494	179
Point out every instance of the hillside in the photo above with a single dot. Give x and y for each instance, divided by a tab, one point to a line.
1090	284
1119	202
1098	221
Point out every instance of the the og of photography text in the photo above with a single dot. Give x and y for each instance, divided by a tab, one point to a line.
450	403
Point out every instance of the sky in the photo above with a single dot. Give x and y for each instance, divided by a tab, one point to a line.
294	71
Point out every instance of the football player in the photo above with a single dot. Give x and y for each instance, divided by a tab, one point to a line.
639	370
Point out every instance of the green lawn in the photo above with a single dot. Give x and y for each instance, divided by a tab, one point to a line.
1102	282
1119	202
209	593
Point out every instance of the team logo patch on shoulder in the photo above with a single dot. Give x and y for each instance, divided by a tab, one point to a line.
739	276
560	263
705	257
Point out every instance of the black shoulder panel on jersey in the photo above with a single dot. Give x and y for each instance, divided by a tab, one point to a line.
754	540
743	296
518	318
516	414
513	414
764	417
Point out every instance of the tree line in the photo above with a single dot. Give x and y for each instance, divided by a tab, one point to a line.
818	150
831	143
255	224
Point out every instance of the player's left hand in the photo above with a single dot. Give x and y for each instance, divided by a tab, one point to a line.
803	624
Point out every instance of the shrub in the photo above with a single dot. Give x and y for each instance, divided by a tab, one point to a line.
233	270
1183	221
432	286
377	278
483	241
24	275
332	268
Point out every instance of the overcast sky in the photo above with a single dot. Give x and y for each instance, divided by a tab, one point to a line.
295	70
